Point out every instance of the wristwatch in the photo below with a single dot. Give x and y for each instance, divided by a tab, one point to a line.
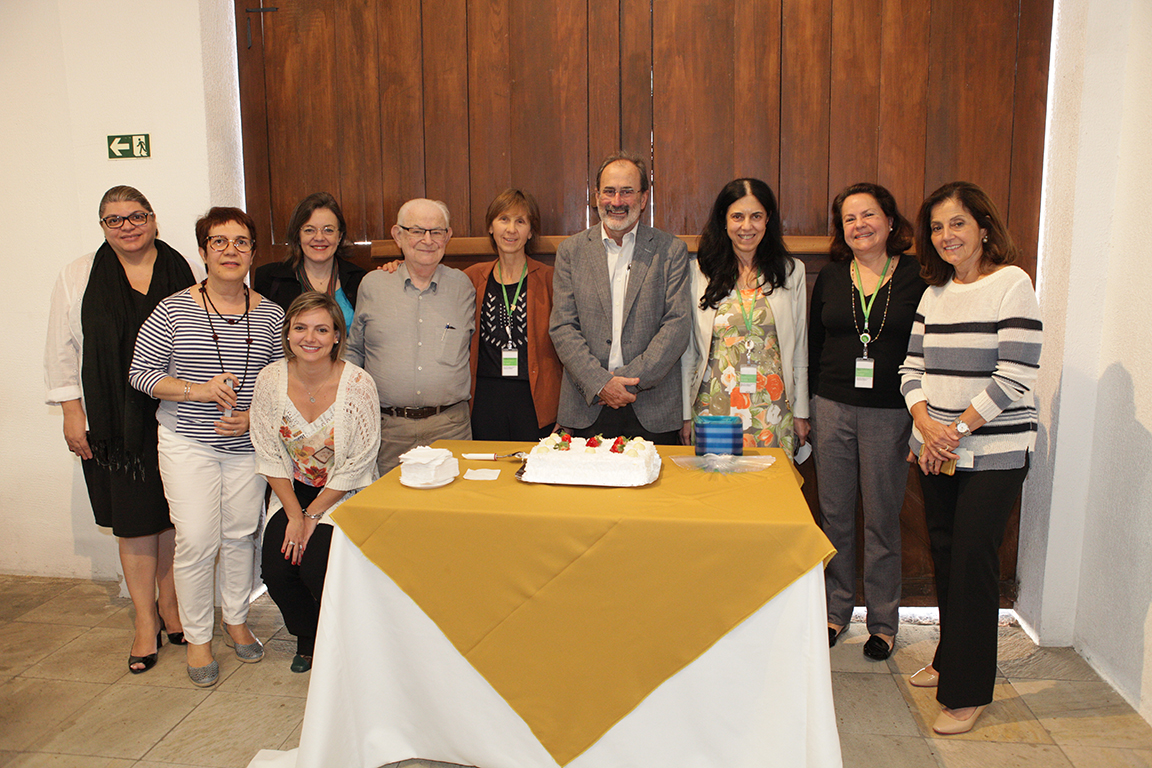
962	427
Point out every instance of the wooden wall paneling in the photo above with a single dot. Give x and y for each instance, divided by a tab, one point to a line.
694	114
970	95
447	161
360	194
254	118
490	85
1030	105
401	107
854	97
604	91
303	124
756	68
549	75
804	102
636	86
903	101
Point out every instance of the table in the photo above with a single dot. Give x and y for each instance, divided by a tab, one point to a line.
510	625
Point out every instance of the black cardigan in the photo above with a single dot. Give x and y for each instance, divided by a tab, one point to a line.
278	282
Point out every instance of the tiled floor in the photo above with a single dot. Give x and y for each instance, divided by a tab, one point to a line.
67	700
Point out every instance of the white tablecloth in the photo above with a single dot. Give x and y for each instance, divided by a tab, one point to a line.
387	686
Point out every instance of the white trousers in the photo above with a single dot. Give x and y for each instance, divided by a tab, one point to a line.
214	499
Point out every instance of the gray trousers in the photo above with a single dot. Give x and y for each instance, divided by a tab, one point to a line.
865	448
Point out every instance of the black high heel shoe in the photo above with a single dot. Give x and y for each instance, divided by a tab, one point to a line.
148	661
174	638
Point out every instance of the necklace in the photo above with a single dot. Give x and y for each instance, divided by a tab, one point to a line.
311	397
216	337
866	308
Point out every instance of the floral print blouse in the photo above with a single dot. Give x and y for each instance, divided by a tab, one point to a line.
310	444
766	414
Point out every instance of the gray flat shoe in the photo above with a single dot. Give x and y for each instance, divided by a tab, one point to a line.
249	653
204	677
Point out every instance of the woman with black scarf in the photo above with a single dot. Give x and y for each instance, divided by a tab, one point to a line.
98	305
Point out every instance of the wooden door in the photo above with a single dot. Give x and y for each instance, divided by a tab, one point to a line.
378	101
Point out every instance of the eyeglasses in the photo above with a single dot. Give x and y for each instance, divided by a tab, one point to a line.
610	192
219	243
137	218
438	233
310	231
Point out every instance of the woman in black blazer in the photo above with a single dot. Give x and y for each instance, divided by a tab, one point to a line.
317	258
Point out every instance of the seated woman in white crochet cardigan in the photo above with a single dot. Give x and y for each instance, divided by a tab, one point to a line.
316	429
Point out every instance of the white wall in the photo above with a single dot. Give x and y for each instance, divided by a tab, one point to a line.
1086	539
74	72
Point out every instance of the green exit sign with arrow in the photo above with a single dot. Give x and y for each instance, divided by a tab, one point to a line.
129	145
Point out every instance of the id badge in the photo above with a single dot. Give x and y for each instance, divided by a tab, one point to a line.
748	379
865	372
964	458
509	361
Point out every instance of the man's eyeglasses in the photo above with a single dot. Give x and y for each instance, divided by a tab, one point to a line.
437	233
137	218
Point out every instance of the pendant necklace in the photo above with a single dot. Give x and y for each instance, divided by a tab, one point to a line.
216	337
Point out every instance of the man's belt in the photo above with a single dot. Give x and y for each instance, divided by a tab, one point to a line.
416	413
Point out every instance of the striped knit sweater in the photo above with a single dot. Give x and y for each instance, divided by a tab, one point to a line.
978	344
176	340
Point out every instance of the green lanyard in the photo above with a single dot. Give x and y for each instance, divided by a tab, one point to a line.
866	337
747	312
510	308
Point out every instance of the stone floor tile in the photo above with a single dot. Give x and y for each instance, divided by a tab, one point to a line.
229	729
122	722
866	751
1116	726
23	593
44	760
272	675
1007	718
1061	698
85	605
1108	757
23	644
952	753
870	704
31	708
915	646
293	740
96	656
1019	658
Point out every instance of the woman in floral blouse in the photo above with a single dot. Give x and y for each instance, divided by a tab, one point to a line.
316	430
750	352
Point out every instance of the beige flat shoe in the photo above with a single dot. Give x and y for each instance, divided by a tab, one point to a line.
947	725
925	678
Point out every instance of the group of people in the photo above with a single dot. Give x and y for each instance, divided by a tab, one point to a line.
319	376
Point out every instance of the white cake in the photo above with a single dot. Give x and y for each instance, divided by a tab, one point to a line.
615	462
428	466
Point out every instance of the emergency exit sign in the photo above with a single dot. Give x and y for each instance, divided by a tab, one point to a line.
129	145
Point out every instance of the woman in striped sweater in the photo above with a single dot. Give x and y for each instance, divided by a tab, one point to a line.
199	353
972	361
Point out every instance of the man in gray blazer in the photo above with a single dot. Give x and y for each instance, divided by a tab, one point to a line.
621	316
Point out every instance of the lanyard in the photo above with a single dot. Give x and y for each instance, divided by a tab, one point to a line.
866	306
510	308
748	343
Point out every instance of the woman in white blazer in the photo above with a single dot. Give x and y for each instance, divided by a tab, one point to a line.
749	356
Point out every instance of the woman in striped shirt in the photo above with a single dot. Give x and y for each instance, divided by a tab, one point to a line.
199	353
967	380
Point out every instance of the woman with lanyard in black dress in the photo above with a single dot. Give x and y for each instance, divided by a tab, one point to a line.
863	305
98	305
515	370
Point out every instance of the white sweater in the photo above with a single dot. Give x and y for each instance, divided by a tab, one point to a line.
356	431
978	344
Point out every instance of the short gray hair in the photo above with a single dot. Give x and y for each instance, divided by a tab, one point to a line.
405	209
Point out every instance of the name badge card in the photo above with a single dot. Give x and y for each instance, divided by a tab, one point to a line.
509	361
865	372
748	379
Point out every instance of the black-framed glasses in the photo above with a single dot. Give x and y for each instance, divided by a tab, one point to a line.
138	218
437	233
220	243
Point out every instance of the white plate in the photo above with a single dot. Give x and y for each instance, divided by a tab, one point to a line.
411	484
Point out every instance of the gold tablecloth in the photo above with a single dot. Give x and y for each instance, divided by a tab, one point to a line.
574	603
